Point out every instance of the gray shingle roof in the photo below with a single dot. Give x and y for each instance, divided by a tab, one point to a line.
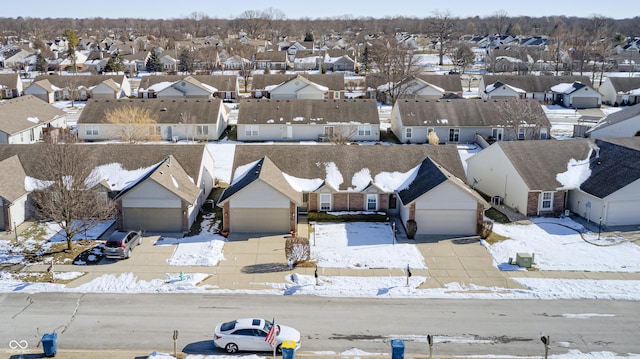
167	111
80	80
613	167
534	83
307	111
12	178
19	114
220	82
450	83
538	162
334	81
616	117
268	172
624	84
131	156
467	113
307	161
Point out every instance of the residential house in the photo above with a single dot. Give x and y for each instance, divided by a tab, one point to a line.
83	87
467	121
306	61
308	120
24	119
524	86
224	87
44	90
272	60
623	123
10	86
159	190
610	194
576	95
424	87
524	175
176	119
620	90
339	63
273	184
299	88
263	85
13	195
169	64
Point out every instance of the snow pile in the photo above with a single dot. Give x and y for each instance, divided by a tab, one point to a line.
200	250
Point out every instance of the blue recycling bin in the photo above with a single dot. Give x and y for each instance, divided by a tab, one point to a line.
288	349
49	344
397	349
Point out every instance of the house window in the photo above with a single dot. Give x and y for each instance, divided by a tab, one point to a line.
454	134
325	201
251	130
287	132
364	130
408	132
521	133
544	134
372	202
336	95
203	130
155	131
32	135
92	130
547	200
497	133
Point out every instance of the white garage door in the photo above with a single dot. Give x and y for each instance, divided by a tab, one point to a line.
158	220
260	220
622	213
584	102
446	222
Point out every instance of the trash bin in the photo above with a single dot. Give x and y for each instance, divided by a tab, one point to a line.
288	349
49	344
397	349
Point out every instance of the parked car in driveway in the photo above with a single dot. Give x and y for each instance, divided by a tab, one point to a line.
120	244
250	334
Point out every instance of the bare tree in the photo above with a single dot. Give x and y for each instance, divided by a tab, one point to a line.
523	116
68	192
441	27
461	56
392	64
500	21
134	123
342	134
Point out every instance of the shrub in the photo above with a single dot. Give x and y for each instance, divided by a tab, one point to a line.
347	217
297	250
412	228
486	227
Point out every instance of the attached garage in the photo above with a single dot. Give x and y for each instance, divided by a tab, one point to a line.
260	200
255	220
623	213
446	221
584	102
152	219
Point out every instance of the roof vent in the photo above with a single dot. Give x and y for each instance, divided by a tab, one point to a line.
163	109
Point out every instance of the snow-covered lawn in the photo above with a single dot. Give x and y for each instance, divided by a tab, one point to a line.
558	245
361	245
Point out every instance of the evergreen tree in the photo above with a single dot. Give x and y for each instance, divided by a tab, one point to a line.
41	63
185	61
115	64
153	63
73	41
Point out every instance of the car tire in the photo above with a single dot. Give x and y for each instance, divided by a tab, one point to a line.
231	348
279	349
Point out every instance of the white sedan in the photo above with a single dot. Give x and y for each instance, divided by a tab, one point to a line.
250	334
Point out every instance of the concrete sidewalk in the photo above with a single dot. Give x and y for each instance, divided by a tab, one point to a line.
253	260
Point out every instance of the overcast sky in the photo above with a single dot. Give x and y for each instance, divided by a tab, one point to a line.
294	9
